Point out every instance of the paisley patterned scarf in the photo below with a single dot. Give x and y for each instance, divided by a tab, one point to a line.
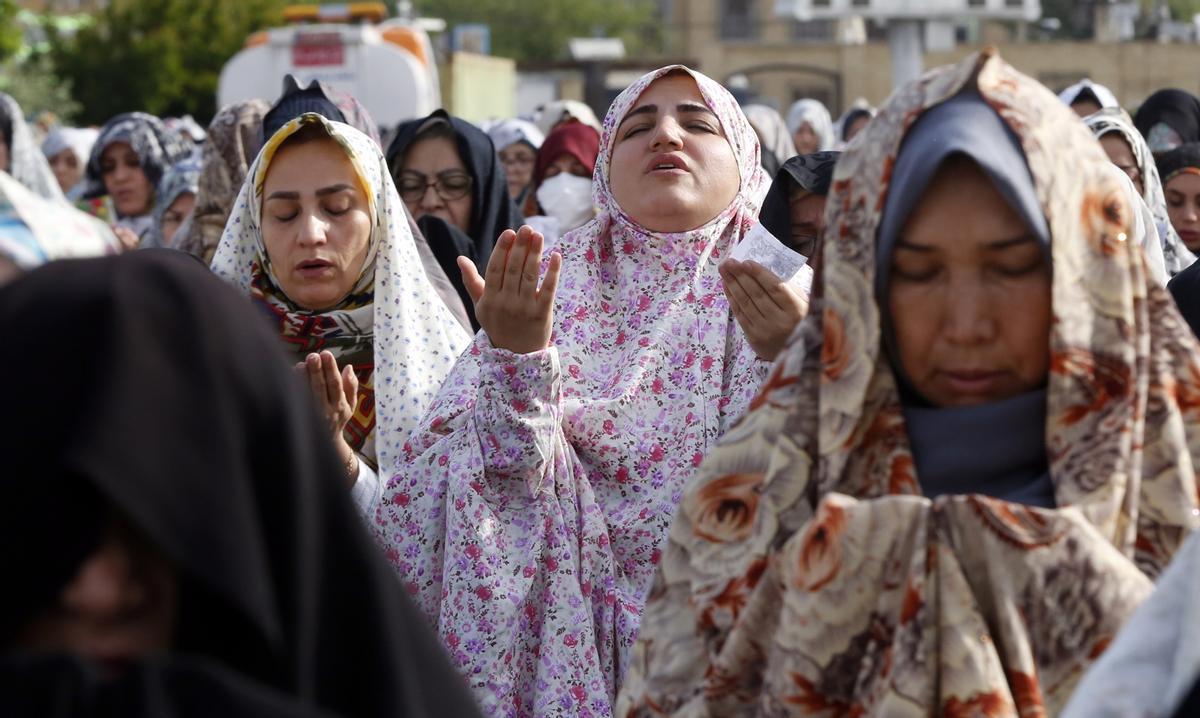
806	574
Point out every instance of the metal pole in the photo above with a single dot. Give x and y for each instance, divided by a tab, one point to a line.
904	41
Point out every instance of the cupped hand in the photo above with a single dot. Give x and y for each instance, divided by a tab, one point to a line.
336	394
766	308
512	308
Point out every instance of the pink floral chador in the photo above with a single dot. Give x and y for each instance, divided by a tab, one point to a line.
807	575
528	517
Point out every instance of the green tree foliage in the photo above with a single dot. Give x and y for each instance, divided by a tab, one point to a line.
36	88
160	56
10	31
538	30
1183	10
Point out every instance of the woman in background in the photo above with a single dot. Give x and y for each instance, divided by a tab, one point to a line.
67	149
517	143
19	156
811	127
234	138
773	136
128	161
453	184
1169	118
562	181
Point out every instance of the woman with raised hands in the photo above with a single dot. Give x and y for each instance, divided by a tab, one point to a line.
528	515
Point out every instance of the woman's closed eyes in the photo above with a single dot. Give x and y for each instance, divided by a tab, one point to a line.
1011	259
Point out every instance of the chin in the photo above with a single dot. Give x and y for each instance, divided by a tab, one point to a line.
312	298
130	210
663	212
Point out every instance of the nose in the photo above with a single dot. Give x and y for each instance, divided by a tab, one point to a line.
104	585
124	173
969	318
431	200
667	135
1191	212
313	231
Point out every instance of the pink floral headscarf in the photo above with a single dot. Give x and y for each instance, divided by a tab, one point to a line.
538	488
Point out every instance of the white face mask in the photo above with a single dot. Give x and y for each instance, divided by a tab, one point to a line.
568	199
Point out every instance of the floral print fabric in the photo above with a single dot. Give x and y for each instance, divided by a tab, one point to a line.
392	327
805	573
528	517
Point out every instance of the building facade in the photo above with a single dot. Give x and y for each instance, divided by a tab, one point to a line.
743	44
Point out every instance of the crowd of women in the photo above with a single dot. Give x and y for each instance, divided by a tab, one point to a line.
527	419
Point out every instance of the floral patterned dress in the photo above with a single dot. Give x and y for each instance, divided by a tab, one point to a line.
528	517
807	575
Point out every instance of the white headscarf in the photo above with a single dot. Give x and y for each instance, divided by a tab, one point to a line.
772	131
25	162
77	139
506	133
393	307
559	110
1176	255
817	117
1103	95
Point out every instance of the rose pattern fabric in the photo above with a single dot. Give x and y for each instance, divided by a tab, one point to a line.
528	516
827	585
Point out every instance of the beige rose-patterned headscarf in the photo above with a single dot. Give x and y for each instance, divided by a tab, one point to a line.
807	575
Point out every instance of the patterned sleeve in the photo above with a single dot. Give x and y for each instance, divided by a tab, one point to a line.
518	413
492	524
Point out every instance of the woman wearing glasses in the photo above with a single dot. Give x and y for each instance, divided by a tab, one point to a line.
449	178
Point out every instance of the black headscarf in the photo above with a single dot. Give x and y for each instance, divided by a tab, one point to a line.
1178	109
6	127
185	418
295	101
812	173
492	210
1185	289
1184	157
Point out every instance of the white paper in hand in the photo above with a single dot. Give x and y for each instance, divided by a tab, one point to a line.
761	246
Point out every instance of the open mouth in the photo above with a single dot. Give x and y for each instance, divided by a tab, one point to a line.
314	266
669	164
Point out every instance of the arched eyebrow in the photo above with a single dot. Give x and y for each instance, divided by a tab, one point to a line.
332	189
690	108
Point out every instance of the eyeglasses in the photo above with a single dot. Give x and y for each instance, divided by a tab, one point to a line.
517	160
449	185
